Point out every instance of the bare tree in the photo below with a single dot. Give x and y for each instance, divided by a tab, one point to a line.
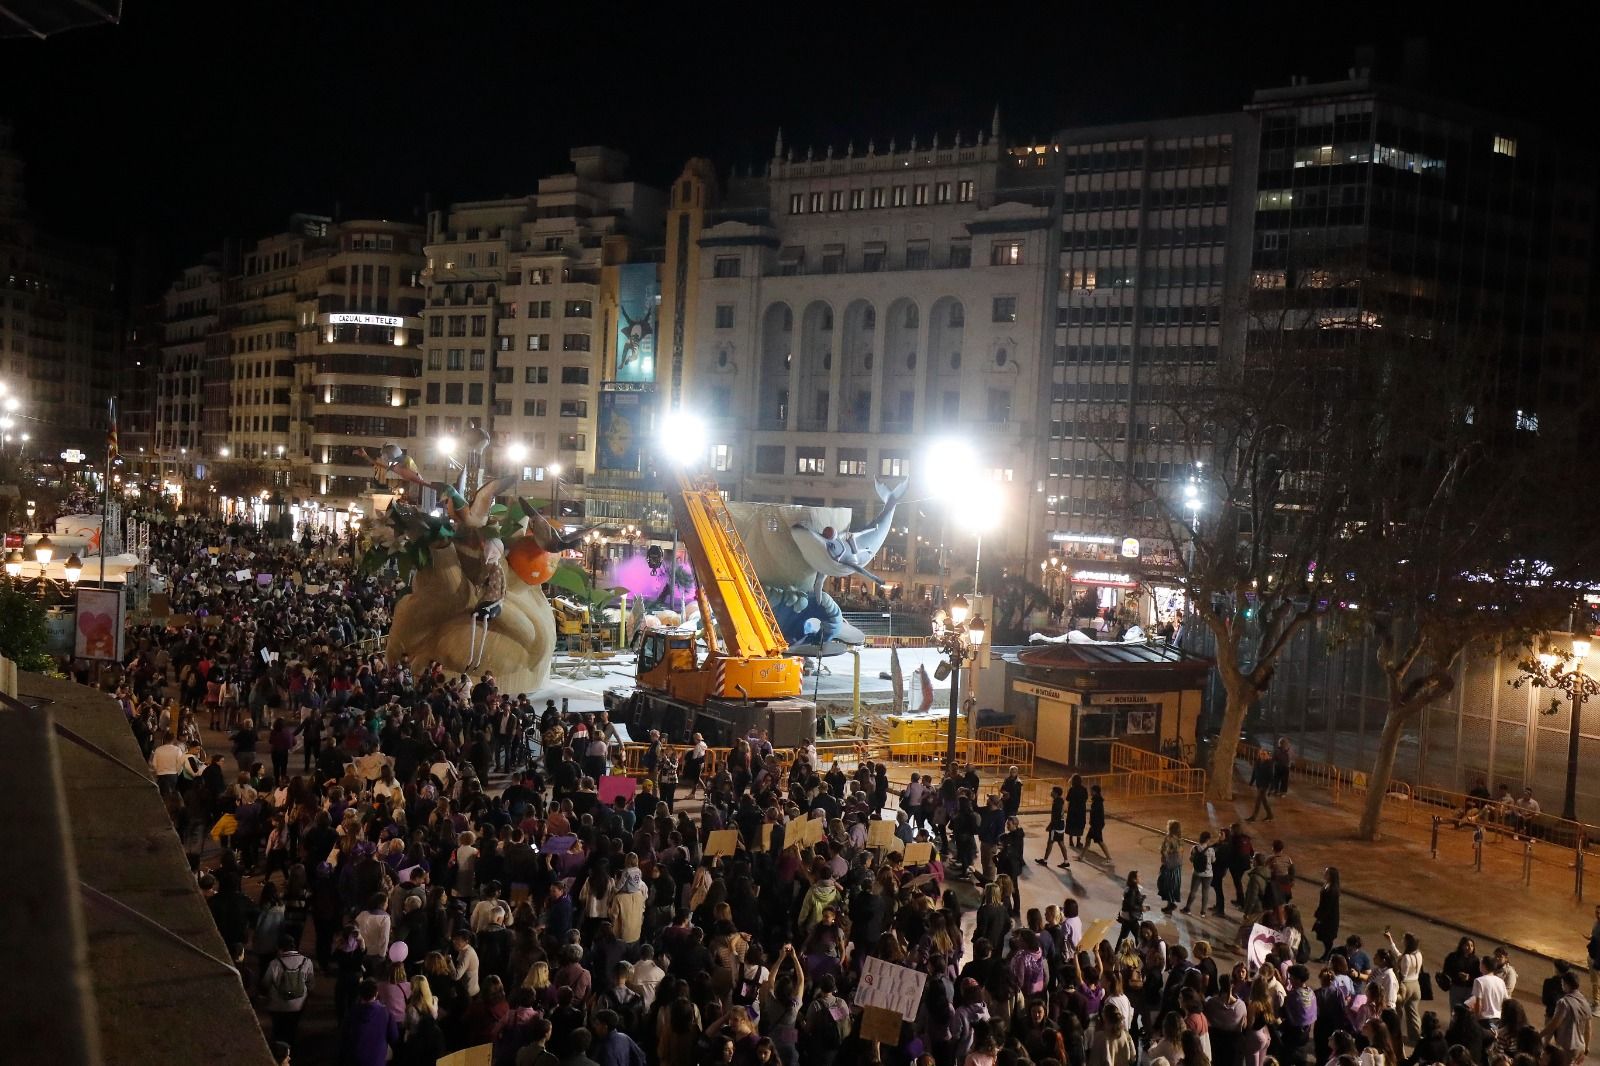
1459	532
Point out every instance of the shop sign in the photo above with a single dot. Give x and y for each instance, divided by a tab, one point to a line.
1130	547
1103	577
1119	697
1029	688
350	319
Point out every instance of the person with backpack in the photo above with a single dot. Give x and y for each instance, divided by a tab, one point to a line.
825	1025
286	984
1202	859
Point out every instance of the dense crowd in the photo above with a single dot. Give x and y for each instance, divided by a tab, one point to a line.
440	853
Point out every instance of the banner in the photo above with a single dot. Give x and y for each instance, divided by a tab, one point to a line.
97	627
638	303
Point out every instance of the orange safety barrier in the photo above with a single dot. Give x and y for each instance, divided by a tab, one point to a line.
1014	750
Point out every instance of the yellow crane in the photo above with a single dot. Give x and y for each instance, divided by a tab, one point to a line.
744	680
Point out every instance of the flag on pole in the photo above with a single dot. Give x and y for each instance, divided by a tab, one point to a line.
111	432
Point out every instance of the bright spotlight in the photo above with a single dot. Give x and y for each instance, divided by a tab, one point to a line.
516	451
681	439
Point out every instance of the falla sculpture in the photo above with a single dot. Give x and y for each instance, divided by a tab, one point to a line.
475	568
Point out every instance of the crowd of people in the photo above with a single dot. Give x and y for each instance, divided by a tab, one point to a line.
439	854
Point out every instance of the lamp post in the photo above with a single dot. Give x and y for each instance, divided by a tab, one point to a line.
554	470
958	642
594	543
1549	670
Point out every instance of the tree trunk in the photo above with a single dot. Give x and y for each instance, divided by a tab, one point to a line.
1394	726
1226	749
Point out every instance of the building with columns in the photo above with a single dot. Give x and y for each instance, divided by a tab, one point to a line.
852	307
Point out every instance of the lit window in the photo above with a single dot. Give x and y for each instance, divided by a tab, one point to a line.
816	201
721	457
919	195
1005	253
899	196
796	203
964	191
1505	146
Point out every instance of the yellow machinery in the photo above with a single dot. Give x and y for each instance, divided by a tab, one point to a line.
744	680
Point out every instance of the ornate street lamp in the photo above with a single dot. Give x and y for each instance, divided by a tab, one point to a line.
959	642
1548	670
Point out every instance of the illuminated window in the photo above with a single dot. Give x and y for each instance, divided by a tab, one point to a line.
858	199
816	201
1506	146
878	195
919	195
1274	200
836	200
538	342
721	457
796	203
899	196
964	191
1005	253
941	192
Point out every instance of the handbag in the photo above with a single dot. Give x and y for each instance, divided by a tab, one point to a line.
1425	983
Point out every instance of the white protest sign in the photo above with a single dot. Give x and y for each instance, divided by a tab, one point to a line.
896	988
1262	940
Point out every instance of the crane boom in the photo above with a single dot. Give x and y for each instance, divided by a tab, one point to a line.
723	571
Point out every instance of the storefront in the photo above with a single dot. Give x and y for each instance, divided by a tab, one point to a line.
1080	698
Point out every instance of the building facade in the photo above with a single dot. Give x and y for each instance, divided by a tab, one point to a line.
61	328
190	308
359	354
853	307
1154	261
513	340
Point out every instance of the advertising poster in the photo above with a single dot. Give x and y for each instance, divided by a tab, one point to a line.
638	301
97	630
623	425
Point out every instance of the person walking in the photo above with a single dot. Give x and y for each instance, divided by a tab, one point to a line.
1055	832
1131	913
286	983
1169	881
1325	922
1282	764
1202	866
1568	1028
1097	824
1078	816
1262	777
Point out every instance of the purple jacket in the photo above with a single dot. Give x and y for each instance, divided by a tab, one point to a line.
369	1031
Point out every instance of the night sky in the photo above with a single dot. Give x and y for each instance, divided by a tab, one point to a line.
193	121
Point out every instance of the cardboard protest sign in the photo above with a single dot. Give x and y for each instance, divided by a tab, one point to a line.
880	1025
766	836
803	831
918	852
613	786
890	987
1095	932
482	1055
880	833
722	842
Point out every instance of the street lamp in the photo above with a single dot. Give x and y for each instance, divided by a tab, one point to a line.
43	551
1548	670
516	451
73	568
14	563
32	509
958	642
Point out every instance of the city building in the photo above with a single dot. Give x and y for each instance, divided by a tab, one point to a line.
61	327
850	308
1154	264
189	315
1393	220
512	339
137	389
359	354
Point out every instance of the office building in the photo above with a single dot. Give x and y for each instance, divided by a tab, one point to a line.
1155	258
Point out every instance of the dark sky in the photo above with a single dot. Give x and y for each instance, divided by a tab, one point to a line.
196	120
